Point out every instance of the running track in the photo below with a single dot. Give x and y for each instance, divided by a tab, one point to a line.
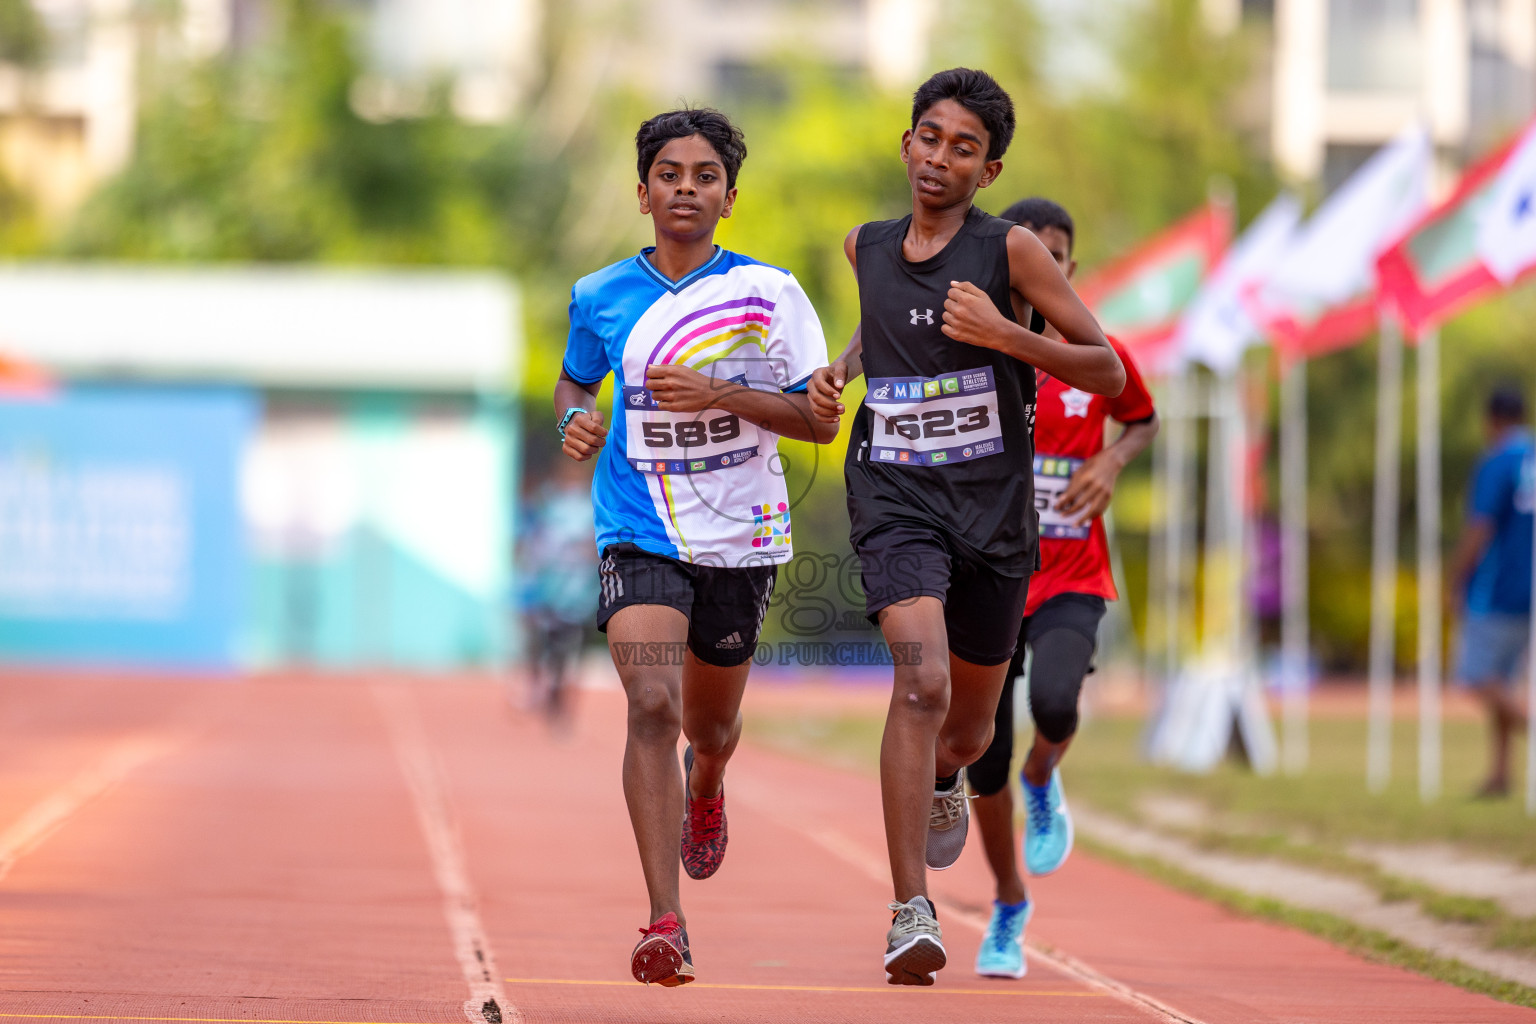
346	851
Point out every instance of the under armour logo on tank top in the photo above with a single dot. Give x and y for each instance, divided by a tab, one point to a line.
944	434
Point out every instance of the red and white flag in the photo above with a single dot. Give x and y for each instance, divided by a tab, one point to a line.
1217	328
1506	236
1442	263
1138	297
1321	294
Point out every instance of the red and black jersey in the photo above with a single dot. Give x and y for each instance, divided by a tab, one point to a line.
1069	430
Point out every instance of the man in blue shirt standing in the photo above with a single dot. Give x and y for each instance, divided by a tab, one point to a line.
1491	576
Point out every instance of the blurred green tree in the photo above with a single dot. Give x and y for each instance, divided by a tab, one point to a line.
23	36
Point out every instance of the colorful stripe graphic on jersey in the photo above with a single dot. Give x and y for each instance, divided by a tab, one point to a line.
753	321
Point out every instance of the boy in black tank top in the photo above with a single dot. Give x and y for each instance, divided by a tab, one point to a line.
940	468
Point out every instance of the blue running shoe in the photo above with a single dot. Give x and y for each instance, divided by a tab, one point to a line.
1047	826
1002	948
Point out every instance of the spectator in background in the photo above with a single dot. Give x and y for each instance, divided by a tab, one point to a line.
1491	576
557	570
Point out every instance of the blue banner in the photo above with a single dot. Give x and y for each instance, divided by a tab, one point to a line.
121	539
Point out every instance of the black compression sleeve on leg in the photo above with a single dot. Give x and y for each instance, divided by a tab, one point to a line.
1061	660
990	772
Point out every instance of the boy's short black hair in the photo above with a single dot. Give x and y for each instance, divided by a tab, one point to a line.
977	92
1037	212
1506	404
680	124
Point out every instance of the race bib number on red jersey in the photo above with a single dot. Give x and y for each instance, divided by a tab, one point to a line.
683	442
1052	475
931	421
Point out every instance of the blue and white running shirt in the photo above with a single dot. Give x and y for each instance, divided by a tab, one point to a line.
704	487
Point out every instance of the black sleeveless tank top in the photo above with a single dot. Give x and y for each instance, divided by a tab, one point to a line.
945	435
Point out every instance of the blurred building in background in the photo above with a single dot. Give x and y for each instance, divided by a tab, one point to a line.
70	76
1348	75
256	468
738	48
1342	75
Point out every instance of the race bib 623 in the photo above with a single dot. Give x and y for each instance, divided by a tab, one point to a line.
931	421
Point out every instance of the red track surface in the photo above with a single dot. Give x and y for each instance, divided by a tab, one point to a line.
328	850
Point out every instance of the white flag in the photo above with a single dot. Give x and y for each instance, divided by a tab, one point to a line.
1217	327
1506	232
1333	258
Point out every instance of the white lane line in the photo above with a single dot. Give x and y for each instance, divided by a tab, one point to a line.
852	853
49	814
487	1003
1074	968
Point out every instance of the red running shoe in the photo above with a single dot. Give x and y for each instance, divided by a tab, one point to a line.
662	957
704	835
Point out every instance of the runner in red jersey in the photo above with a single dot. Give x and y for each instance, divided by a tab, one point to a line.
1075	476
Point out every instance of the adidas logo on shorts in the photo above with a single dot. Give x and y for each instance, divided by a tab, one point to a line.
730	643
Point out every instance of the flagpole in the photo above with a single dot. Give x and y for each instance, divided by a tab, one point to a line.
1217	524
1294	659
1389	415
1428	488
1157	537
1239	533
1175	513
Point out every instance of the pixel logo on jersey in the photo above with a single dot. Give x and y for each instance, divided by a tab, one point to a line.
926	315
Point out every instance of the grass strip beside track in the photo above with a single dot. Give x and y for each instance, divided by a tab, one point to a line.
1366	942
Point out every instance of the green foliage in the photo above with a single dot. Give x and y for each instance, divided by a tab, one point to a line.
263	158
23	36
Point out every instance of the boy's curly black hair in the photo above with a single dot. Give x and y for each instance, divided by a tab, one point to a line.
679	124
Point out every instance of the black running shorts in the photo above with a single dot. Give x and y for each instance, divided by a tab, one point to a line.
982	607
725	607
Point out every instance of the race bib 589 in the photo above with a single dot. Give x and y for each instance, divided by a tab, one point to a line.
683	442
931	421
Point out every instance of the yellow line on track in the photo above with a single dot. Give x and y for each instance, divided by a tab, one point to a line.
1010	991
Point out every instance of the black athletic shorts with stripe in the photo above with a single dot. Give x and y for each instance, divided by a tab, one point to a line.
725	607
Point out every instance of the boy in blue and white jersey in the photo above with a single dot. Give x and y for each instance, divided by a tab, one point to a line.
712	351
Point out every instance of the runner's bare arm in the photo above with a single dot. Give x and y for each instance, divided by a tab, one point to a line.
1475	538
585	434
1093	485
827	383
684	389
1087	362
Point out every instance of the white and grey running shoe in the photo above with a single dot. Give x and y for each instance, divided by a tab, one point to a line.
914	947
948	821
